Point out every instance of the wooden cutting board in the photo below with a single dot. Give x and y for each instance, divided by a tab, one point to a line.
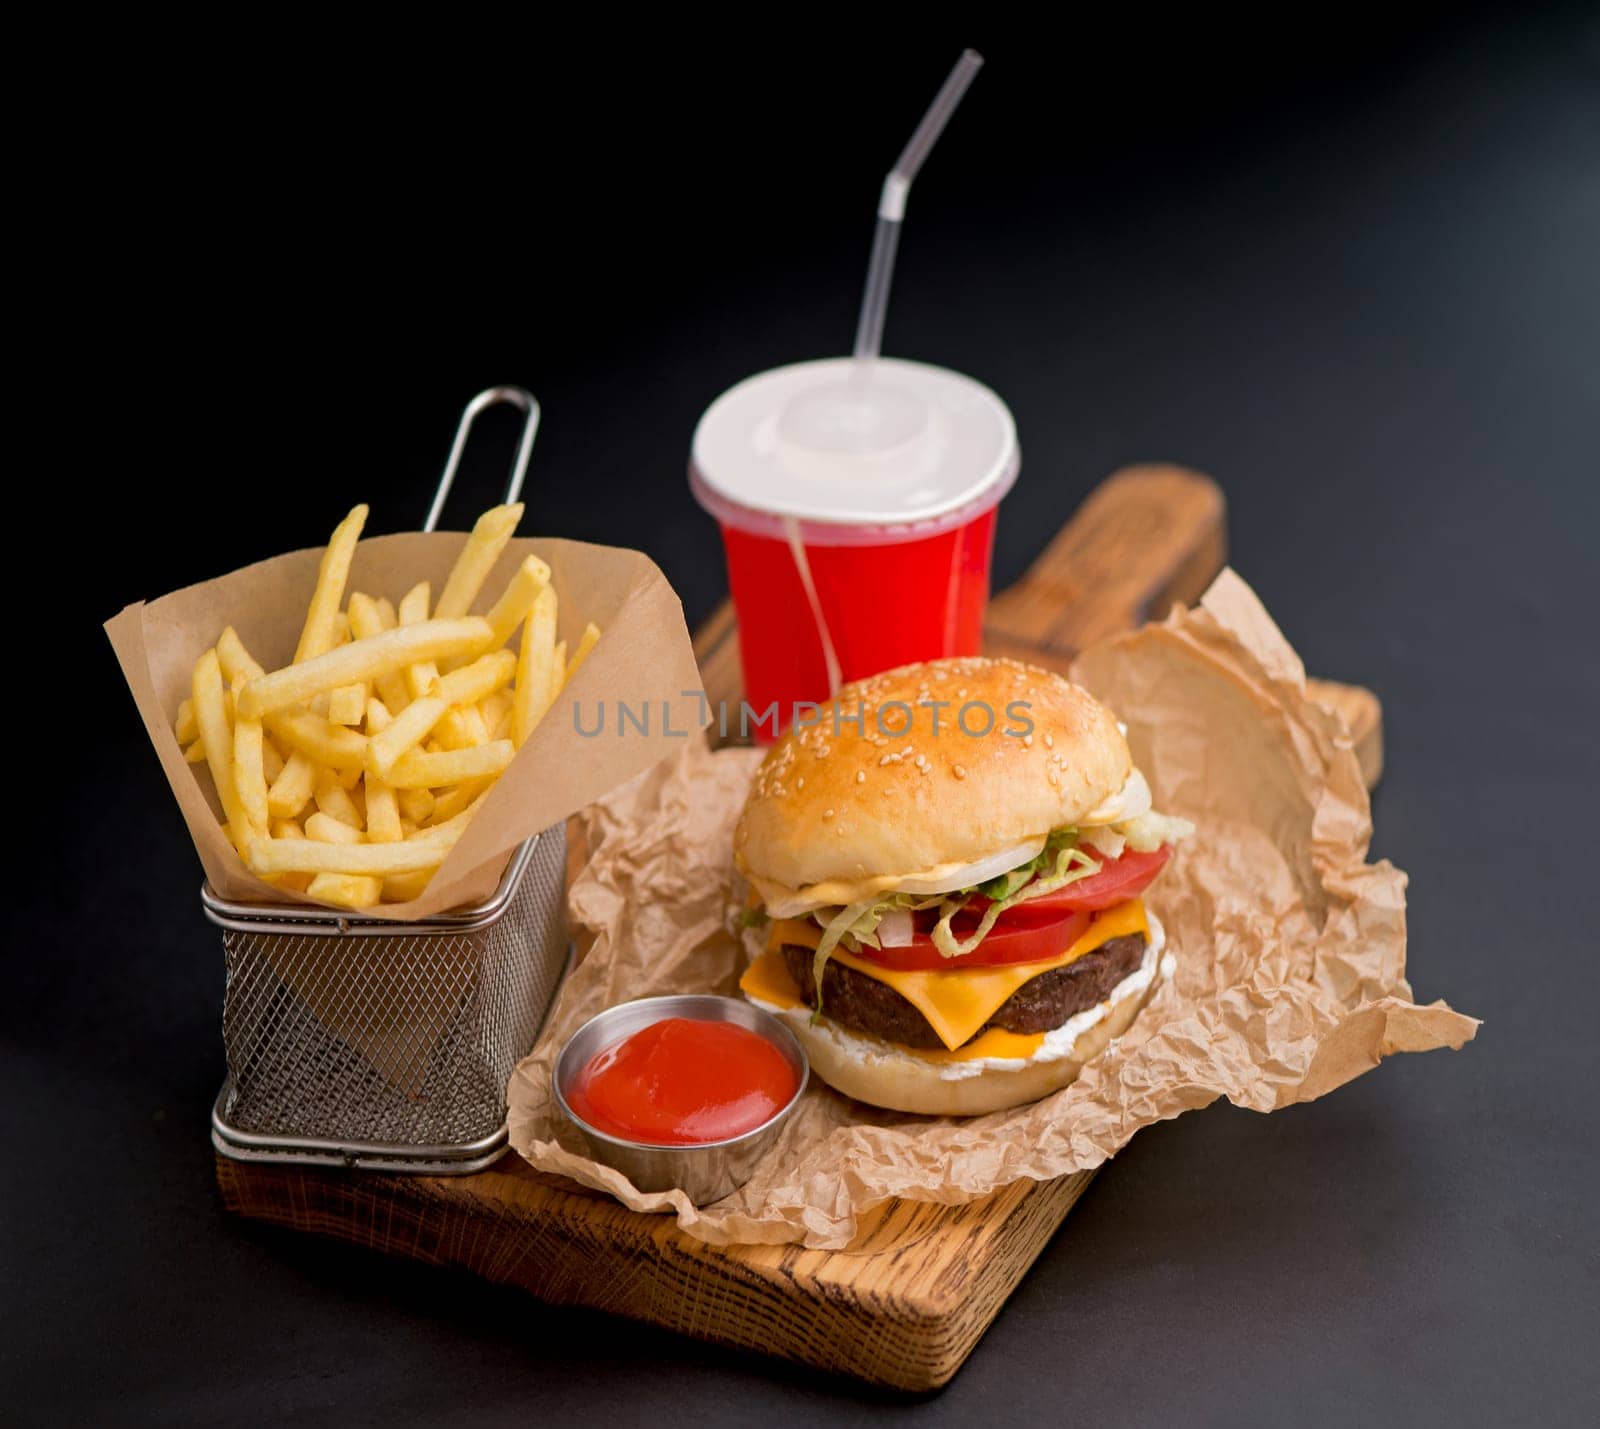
905	1303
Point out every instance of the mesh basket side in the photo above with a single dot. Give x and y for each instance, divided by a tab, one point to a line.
407	1040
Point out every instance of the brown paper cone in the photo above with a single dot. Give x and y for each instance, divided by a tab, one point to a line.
644	660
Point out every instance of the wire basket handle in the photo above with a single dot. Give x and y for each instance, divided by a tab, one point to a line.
518	397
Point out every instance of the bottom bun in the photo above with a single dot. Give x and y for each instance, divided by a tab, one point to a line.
909	1083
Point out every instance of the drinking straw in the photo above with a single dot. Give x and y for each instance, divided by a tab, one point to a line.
892	202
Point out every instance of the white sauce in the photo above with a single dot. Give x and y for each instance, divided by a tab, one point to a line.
1058	1043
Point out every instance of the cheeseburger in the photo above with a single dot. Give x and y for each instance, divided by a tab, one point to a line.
948	864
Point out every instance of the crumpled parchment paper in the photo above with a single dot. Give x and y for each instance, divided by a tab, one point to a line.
1290	947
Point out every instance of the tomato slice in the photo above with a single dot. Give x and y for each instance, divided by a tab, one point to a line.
1032	931
1118	880
1030	941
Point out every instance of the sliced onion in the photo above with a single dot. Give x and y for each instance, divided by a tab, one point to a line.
972	874
1131	800
896	929
1104	839
781	902
791	906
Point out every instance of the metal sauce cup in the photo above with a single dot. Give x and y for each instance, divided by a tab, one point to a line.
708	1170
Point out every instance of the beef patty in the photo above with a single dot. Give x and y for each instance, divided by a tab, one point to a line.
1039	1005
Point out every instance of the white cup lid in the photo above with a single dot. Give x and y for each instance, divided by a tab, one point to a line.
893	444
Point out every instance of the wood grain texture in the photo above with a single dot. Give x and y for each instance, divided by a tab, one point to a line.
905	1303
902	1306
1146	538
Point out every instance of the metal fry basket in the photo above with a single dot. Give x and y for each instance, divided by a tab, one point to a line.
352	1041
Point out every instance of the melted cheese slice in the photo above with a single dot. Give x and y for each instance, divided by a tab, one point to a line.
957	1003
769	980
996	1042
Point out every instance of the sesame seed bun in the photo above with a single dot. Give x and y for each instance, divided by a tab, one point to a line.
1019	751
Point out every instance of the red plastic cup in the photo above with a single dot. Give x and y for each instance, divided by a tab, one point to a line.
857	506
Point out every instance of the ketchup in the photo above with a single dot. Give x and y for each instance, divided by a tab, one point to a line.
679	1082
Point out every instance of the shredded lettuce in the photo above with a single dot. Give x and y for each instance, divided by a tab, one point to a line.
1069	864
1106	840
1006	884
857	919
1068	855
1149	831
864	930
1059	863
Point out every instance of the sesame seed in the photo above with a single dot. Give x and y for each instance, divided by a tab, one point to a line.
861	776
961	772
827	813
1049	741
800	783
1027	741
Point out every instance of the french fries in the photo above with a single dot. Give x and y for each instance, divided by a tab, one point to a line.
417	769
271	761
349	774
294	882
362	660
318	740
507	613
250	773
416	805
535	662
291	790
347	704
383	811
312	855
321	631
324	828
336	803
347	889
415	723
366	620
477	558
238	664
586	642
211	718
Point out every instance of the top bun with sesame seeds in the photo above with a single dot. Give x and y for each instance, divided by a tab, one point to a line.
921	772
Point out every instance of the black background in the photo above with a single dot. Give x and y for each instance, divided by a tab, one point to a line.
1347	266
